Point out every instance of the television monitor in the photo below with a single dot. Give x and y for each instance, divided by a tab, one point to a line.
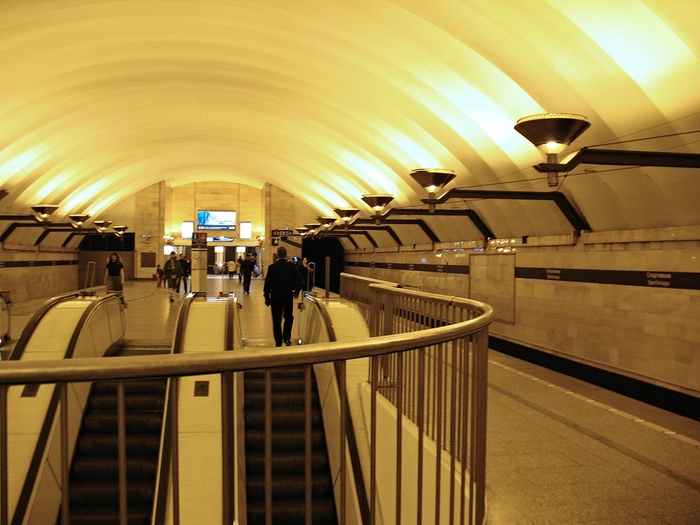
216	220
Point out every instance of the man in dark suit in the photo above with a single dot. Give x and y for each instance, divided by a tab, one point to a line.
282	285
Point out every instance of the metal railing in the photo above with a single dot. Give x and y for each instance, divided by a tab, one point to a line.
449	407
441	388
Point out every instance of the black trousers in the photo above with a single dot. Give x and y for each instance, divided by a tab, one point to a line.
282	306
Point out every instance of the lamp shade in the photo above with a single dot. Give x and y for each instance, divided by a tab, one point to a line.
120	229
3	193
377	201
346	213
432	178
326	220
102	225
301	230
79	218
44	210
312	225
552	132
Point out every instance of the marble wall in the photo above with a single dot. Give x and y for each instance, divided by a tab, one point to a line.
617	302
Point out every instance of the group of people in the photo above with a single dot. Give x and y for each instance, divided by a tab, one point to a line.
175	273
283	284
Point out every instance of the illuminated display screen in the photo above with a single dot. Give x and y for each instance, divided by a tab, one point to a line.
216	220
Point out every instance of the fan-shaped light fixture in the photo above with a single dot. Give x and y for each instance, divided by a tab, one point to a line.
102	226
346	214
432	179
312	226
119	230
377	201
301	230
552	133
43	211
3	193
79	219
326	221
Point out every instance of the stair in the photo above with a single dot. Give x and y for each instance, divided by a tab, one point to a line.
288	451
94	475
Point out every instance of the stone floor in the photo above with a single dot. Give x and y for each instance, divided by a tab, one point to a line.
560	451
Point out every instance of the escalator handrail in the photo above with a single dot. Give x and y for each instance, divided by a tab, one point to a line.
28	331
353	449
42	441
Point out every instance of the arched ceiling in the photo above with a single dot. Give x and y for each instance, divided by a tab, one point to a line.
332	99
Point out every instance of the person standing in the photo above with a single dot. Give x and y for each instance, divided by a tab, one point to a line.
231	267
114	274
170	271
306	274
185	271
159	276
239	263
247	267
282	285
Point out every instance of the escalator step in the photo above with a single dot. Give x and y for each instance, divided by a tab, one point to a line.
108	403
98	468
140	422
291	440
288	463
106	492
103	444
292	513
282	418
109	515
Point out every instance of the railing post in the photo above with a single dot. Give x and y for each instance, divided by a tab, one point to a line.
4	499
121	440
65	464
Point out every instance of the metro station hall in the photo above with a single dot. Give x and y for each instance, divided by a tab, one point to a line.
494	208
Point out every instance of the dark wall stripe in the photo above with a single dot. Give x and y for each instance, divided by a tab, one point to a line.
655	279
413	267
664	398
652	279
28	264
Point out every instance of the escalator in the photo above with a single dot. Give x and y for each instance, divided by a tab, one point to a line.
94	474
288	450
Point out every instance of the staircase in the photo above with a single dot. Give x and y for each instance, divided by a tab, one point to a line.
288	451
94	475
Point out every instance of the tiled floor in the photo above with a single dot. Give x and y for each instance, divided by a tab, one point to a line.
560	451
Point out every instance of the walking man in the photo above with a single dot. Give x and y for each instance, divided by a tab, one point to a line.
247	267
282	285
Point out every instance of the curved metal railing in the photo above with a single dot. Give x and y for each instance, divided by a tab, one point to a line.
444	341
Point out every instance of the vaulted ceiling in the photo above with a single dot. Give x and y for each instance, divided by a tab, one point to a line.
334	99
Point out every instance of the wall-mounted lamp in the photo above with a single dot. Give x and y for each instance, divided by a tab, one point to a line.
120	230
346	214
552	133
102	226
302	230
432	179
43	211
79	219
377	201
326	221
169	239
312	226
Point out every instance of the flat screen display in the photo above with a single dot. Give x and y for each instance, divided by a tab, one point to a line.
216	220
